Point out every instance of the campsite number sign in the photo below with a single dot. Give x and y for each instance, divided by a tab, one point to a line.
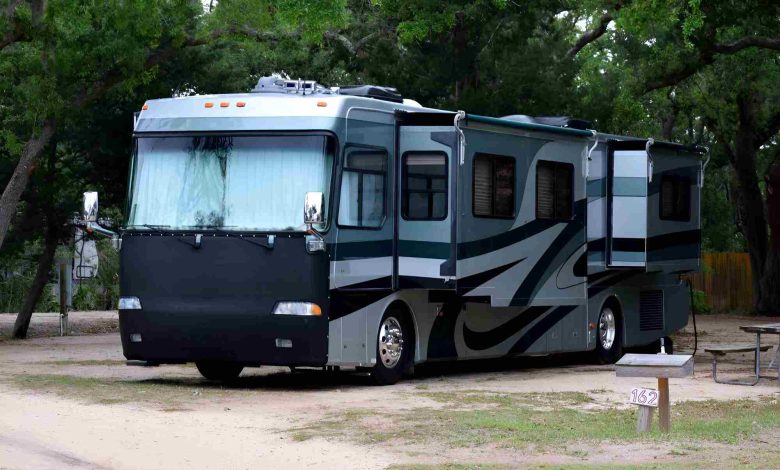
644	396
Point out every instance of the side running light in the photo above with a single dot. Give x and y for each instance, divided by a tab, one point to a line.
314	244
298	308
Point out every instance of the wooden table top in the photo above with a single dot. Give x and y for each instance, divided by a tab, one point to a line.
765	328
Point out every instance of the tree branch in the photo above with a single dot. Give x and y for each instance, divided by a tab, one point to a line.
593	34
352	47
747	42
707	56
721	139
15	32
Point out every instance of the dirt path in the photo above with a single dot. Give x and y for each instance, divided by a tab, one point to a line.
72	403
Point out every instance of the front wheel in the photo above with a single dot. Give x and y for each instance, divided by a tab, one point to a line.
219	371
609	344
393	349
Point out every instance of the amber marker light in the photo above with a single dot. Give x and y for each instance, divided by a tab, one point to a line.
209	104
240	104
145	107
224	104
322	104
316	310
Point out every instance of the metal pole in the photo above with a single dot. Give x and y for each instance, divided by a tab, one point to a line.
63	270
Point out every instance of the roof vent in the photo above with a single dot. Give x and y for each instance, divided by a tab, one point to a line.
384	93
557	121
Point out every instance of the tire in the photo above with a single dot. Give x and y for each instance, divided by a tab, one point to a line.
609	336
394	348
219	371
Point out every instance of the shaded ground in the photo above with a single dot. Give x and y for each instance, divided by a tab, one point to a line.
72	403
48	324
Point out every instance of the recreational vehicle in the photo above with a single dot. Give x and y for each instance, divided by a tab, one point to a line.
300	225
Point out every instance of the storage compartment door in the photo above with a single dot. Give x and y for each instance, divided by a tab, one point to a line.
627	204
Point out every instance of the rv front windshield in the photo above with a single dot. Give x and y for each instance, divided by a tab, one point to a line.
252	183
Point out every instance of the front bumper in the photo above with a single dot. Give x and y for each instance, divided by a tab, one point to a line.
246	338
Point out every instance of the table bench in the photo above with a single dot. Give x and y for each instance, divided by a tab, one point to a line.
721	351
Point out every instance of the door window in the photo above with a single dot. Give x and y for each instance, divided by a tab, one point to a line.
362	197
675	199
424	186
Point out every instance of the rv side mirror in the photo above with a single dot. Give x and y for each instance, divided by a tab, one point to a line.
90	210
312	209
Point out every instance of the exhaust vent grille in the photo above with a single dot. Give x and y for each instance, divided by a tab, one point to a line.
651	310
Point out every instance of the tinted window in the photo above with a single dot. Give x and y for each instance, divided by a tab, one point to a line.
675	198
493	186
362	197
554	190
425	186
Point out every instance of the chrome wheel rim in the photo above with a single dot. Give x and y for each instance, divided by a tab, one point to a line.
607	328
391	342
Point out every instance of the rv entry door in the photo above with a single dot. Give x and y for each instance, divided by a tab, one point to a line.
427	169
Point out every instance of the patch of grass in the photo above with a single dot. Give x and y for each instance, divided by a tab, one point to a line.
479	397
516	421
112	391
469	398
724	422
448	466
453	466
346	424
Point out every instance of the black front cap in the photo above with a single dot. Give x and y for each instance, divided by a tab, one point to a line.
215	302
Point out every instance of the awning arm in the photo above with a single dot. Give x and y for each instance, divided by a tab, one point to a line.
459	116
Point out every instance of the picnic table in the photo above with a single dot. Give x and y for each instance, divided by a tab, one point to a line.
722	350
765	329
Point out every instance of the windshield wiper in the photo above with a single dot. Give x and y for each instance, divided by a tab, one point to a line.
156	228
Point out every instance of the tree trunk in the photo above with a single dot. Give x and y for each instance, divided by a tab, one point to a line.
13	191
764	261
39	282
769	285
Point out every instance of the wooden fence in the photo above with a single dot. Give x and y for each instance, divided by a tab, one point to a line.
726	281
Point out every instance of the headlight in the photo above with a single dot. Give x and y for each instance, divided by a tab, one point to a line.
297	308
129	303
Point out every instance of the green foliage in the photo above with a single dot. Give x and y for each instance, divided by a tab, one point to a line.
102	291
700	303
17	270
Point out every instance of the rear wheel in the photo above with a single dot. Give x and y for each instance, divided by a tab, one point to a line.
609	343
219	371
394	348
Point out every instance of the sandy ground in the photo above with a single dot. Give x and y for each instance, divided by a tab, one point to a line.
252	425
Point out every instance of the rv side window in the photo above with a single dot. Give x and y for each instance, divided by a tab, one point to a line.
675	199
425	186
554	190
493	186
362	201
